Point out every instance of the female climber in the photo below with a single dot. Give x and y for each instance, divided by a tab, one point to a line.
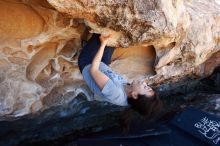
93	63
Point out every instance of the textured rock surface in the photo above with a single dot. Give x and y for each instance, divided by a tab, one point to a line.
170	44
65	123
185	34
38	57
38	53
32	35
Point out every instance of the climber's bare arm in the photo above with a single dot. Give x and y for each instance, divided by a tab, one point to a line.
100	78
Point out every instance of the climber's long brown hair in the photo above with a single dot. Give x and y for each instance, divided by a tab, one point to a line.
148	108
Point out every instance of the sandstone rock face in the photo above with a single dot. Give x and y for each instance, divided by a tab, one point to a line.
166	41
39	49
185	34
32	35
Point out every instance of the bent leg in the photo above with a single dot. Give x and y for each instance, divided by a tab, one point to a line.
89	51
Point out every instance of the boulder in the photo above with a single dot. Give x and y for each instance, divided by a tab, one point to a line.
172	45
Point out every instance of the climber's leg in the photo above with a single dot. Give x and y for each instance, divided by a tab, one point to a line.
89	51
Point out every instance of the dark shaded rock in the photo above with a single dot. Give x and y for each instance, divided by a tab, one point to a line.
78	118
61	124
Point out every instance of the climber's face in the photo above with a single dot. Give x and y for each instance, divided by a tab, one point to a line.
140	87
